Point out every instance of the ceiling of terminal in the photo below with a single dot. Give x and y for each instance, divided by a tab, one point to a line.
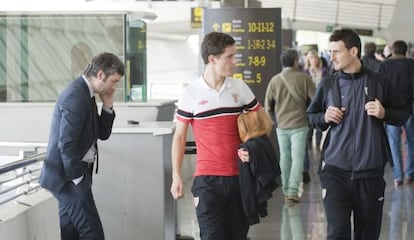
315	15
173	17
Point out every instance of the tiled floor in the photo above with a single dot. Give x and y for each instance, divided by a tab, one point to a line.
307	219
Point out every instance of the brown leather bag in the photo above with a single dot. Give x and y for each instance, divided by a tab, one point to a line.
254	124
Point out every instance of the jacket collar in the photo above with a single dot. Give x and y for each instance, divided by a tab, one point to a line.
397	57
91	92
351	76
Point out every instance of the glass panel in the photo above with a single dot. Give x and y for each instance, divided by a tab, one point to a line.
41	54
136	55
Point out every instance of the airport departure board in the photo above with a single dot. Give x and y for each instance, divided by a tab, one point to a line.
257	32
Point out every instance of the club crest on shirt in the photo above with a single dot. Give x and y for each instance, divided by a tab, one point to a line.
235	97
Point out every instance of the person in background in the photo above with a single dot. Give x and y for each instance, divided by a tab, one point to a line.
400	72
315	68
325	59
72	149
211	105
289	92
386	53
369	60
354	103
411	52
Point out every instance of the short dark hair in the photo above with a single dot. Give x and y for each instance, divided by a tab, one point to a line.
399	47
349	37
370	48
214	43
107	62
288	57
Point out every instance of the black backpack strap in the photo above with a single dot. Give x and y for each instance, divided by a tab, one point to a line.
336	91
371	87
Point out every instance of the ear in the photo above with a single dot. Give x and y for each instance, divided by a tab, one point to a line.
211	59
296	63
100	75
354	51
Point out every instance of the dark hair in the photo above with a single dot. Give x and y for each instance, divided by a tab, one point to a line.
214	43
288	57
349	37
370	48
107	62
399	47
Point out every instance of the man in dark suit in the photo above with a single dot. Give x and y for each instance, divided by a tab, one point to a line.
72	149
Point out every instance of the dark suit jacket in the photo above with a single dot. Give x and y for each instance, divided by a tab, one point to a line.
71	136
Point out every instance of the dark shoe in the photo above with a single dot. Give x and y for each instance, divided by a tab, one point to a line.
306	177
398	183
409	180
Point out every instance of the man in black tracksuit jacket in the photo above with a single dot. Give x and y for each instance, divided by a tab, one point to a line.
354	103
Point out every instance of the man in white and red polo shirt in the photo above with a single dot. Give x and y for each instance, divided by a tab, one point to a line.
211	105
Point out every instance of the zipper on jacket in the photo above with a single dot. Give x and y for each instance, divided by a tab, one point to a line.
353	125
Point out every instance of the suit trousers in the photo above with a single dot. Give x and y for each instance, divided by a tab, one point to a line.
79	218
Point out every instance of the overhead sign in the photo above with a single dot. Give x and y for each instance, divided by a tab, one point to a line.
330	28
196	17
258	41
364	32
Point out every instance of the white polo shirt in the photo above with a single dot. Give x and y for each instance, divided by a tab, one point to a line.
213	116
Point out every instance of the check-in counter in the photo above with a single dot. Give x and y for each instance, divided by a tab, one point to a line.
152	110
131	188
30	122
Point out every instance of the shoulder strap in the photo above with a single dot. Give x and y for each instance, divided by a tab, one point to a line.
412	77
371	87
336	92
292	91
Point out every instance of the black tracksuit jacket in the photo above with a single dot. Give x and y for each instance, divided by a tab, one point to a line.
357	147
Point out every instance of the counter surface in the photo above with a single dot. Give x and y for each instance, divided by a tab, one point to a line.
156	128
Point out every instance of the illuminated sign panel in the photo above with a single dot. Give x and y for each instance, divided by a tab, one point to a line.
196	17
258	42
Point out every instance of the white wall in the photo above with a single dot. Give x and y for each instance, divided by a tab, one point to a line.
401	26
172	64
